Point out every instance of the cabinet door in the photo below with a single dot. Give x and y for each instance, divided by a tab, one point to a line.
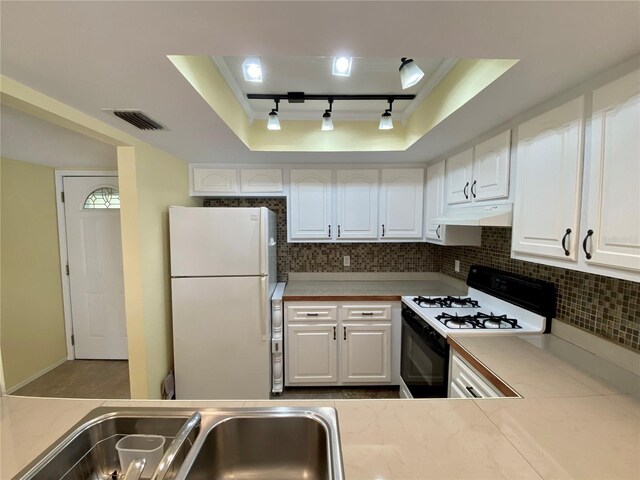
549	168
401	203
459	172
613	212
365	354
491	168
357	204
261	180
310	205
311	353
214	180
435	201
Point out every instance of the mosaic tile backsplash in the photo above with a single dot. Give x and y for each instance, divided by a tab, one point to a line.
327	257
604	306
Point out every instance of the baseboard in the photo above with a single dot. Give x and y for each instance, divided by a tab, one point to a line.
35	376
620	356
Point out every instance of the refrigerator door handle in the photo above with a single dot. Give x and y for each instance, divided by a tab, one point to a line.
264	311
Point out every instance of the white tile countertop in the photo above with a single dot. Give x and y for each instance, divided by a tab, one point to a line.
579	418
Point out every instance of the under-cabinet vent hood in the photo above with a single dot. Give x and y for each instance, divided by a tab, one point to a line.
488	216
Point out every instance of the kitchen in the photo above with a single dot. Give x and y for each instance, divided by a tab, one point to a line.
152	181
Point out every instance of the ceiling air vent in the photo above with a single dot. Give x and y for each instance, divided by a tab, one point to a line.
138	119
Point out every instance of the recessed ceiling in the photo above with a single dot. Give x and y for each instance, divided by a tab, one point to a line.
312	75
30	139
94	55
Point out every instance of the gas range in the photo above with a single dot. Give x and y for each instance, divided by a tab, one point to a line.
496	303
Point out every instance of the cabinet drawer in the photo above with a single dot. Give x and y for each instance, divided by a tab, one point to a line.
464	376
366	312
312	313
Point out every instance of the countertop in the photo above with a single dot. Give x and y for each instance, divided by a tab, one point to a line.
376	287
579	418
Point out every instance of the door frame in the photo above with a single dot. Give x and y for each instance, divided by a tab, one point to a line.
62	244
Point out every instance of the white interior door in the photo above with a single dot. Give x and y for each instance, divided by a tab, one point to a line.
94	249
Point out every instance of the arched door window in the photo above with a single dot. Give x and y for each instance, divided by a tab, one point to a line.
103	197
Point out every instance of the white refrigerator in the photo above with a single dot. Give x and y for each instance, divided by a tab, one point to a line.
223	273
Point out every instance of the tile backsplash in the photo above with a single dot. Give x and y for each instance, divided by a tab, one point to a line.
604	306
328	257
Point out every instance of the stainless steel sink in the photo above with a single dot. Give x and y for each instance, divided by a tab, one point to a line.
267	444
88	451
261	443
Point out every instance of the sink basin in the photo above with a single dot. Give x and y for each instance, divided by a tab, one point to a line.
88	451
292	446
261	443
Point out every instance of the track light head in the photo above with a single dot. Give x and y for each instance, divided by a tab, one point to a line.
410	73
386	120
274	122
327	122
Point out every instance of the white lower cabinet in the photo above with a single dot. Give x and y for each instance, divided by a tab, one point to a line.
354	349
365	353
466	382
311	354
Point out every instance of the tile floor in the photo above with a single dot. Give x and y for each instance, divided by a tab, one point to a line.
82	379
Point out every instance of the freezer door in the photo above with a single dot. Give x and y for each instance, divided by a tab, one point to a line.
222	349
218	241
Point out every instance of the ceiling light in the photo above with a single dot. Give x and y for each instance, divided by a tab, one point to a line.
327	122
342	66
274	122
410	73
252	69
386	121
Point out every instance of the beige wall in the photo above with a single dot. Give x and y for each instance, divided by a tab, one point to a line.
150	181
31	315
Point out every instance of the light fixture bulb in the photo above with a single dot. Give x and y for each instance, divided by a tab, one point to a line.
410	73
252	69
274	122
342	66
327	122
386	121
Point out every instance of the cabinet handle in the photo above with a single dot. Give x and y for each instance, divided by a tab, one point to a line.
584	244
383	229
329	231
473	392
368	314
334	333
473	192
338	231
564	239
312	314
438	231
465	190
345	332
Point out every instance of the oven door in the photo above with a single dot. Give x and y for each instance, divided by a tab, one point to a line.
424	365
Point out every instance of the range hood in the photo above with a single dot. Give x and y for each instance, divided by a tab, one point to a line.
488	216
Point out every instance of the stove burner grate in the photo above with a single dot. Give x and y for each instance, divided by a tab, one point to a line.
446	302
496	321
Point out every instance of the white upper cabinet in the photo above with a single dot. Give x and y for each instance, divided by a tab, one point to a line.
310	204
481	173
491	168
261	180
612	232
214	180
459	173
434	201
357	205
401	203
549	166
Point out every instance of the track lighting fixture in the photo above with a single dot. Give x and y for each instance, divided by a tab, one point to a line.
274	122
386	121
410	73
327	122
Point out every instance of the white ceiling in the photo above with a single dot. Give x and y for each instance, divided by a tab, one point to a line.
94	55
313	75
30	139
